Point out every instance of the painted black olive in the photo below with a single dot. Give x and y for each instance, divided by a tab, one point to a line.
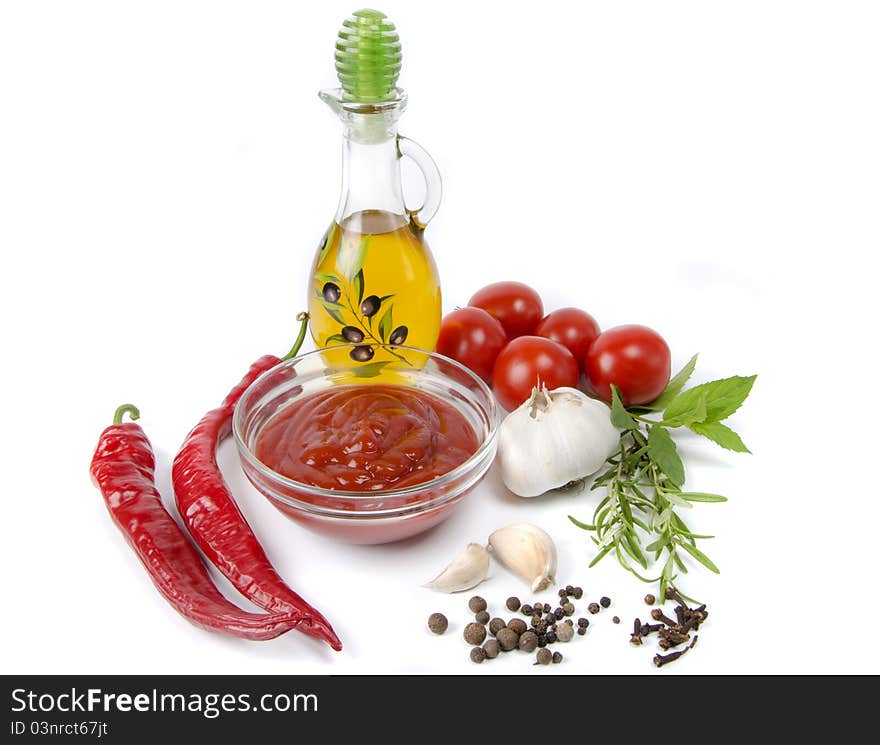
398	336
352	334
331	293
362	353
370	306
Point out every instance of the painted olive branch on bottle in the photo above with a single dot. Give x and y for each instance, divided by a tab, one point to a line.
645	476
332	288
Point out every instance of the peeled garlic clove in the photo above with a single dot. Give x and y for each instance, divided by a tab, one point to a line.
527	551
467	570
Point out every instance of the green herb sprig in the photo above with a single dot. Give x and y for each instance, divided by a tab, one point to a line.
645	476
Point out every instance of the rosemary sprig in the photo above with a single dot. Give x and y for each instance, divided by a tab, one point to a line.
644	479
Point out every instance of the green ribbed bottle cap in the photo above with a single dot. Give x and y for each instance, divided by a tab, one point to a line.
368	57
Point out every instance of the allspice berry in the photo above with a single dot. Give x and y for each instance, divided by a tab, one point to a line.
564	632
528	642
513	603
517	625
437	623
478	655
495	625
482	617
492	648
475	633
507	639
650	599
543	657
476	604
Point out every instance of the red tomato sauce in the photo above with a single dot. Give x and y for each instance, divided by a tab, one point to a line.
366	438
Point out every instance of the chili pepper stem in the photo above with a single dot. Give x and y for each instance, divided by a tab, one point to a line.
303	318
130	409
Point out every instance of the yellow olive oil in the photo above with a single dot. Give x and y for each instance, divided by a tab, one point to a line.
375	285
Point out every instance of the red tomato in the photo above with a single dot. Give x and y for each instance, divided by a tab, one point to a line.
525	362
472	337
517	306
634	358
572	328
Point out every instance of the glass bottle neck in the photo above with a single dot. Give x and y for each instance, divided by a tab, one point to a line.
371	173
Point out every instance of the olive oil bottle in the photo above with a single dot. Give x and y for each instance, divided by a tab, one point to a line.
374	284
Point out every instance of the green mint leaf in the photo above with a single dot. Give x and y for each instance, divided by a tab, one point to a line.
620	417
661	450
698	496
723	397
720	433
674	387
687	408
699	556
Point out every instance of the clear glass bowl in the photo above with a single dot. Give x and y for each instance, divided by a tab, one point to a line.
376	516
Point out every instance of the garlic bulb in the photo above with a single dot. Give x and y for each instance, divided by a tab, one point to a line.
552	439
527	551
467	570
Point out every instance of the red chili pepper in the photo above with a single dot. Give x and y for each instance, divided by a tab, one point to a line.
217	525
123	469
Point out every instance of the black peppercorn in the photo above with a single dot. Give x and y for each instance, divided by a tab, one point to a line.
557	657
568	609
543	657
577	593
582	630
615	619
550	636
476	604
517	625
527	610
492	648
495	625
536	620
513	604
558	614
583	622
593	608
507	639
482	617
542	640
569	590
528	642
437	623
475	633
547	608
478	654
605	602
563	592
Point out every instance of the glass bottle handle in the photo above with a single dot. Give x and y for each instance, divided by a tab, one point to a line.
421	216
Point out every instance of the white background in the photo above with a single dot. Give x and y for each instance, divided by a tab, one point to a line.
709	169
